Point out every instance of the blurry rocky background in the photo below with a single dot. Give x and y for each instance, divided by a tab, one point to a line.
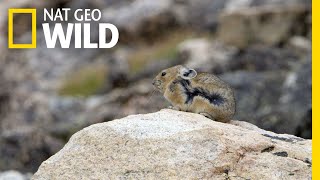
260	47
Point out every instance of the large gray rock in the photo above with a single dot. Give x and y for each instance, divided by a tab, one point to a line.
35	122
132	23
257	96
263	58
276	100
25	148
178	145
269	25
13	175
204	55
296	99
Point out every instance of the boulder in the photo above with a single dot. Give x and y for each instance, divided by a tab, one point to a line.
133	24
178	145
257	25
263	58
13	175
218	58
276	100
206	56
296	98
256	99
25	148
300	44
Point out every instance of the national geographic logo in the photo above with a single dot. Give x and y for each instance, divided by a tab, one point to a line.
79	30
33	13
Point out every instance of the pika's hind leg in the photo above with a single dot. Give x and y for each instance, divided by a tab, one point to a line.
207	115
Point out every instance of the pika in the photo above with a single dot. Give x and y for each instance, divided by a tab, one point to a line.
201	93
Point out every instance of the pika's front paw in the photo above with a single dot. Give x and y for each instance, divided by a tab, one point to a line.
174	108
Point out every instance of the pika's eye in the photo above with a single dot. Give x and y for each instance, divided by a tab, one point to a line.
163	73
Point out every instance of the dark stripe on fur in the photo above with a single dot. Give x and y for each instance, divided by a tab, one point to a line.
213	98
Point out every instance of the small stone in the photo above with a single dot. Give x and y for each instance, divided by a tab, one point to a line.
12	175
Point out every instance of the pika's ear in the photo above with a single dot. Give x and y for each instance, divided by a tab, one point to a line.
187	73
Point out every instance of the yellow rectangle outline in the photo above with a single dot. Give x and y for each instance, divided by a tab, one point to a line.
33	13
315	90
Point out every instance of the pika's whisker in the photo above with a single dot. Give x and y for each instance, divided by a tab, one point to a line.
150	94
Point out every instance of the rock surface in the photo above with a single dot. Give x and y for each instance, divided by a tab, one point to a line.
178	145
13	175
267	67
256	25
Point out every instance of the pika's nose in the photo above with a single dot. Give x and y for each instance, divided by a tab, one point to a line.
155	82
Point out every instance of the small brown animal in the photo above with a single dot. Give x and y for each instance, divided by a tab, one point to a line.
201	93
